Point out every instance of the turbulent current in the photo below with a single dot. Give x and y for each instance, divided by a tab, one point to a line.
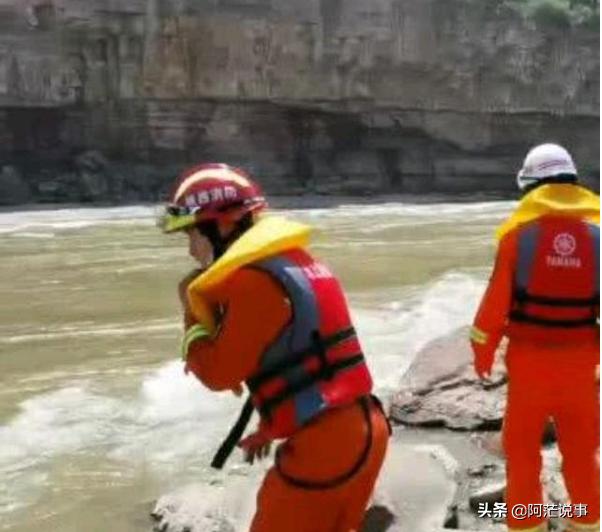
97	418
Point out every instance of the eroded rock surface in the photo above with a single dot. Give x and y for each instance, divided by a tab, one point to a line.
313	96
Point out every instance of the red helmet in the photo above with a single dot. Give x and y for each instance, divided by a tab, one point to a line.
211	192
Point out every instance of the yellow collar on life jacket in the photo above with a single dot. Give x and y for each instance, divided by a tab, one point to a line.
556	198
269	236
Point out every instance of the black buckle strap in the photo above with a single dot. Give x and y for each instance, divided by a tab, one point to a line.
521	296
318	347
520	316
325	369
325	372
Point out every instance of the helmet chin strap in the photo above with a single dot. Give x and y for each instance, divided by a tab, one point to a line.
220	244
210	230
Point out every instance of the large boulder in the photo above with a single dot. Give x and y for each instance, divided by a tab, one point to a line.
441	389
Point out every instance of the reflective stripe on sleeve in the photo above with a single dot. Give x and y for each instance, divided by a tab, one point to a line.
478	336
196	332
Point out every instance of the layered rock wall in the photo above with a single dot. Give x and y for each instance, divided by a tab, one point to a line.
327	96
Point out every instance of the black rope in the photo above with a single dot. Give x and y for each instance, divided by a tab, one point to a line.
234	436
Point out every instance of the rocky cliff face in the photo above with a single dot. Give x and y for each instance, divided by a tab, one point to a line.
107	100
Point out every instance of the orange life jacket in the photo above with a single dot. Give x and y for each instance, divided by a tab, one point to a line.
556	283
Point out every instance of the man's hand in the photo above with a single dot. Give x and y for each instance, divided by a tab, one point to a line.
483	362
238	390
257	445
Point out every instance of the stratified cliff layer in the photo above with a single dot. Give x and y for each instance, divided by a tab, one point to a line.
106	100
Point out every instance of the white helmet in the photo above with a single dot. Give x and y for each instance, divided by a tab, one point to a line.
545	161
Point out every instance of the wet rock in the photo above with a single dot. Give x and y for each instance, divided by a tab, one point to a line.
94	187
417	485
14	190
93	170
555	489
482	471
441	389
493	490
377	519
488	495
91	161
51	187
413	493
452	518
226	506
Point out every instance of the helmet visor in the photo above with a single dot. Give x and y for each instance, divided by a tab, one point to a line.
176	218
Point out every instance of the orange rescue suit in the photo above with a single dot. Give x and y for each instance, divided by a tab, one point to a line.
543	296
325	449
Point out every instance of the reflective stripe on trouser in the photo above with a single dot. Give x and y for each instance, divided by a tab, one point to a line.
583	527
543	527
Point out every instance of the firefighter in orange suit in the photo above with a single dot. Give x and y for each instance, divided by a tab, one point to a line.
543	296
263	312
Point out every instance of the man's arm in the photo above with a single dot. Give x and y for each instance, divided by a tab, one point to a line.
490	320
256	311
